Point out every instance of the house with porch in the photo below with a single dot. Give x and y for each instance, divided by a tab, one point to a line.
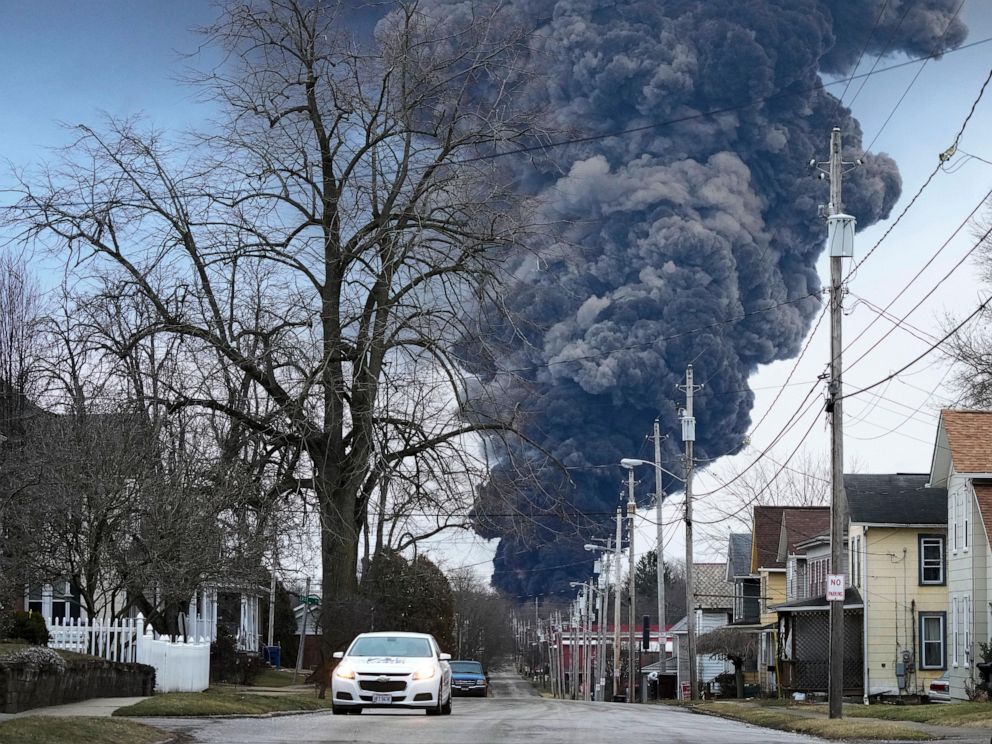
775	530
713	603
897	546
962	464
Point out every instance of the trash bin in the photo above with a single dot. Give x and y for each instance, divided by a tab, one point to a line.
272	655
619	698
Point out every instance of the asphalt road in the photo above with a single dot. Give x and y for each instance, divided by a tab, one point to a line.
513	713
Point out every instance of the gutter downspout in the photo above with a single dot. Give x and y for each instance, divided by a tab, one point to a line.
864	618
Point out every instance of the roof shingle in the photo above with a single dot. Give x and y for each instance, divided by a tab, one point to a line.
969	436
900	498
800	523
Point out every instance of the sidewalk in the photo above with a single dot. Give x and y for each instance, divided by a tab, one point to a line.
102	707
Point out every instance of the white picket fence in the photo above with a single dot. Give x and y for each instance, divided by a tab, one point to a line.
180	666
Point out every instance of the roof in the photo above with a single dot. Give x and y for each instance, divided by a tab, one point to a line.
794	523
969	438
900	498
851	599
983	494
738	555
713	591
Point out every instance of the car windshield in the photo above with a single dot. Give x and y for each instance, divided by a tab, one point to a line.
472	667
390	646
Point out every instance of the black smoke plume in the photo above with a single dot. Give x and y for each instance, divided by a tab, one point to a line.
669	228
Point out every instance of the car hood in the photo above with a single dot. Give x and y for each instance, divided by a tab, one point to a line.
387	665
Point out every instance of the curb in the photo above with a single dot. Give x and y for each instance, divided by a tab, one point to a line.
225	716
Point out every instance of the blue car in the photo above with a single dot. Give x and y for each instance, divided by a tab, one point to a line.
468	678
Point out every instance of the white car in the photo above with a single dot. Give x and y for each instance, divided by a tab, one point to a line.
392	670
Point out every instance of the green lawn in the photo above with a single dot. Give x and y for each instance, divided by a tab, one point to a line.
215	702
276	678
78	730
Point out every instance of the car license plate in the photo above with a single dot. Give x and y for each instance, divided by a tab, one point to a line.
380	699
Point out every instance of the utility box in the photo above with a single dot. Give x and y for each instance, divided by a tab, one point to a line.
840	235
901	675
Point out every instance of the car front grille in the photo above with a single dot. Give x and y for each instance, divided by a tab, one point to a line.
375	685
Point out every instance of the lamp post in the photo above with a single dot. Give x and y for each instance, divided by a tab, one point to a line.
630	463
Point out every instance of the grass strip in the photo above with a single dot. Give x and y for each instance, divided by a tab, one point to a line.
79	730
822	727
970	715
10	647
220	703
276	678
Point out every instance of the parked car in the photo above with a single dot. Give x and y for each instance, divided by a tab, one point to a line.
469	678
392	670
940	688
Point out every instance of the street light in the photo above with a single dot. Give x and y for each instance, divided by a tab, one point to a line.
604	607
630	463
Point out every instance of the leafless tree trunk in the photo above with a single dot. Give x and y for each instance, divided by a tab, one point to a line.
317	248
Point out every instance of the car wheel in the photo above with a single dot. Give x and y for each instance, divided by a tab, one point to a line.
436	710
446	708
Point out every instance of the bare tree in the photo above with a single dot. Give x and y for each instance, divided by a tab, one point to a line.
21	347
318	246
803	481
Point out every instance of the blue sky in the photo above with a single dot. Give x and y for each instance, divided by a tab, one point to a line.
68	61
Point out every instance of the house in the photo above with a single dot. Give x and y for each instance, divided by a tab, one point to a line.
803	653
747	588
962	464
713	603
775	530
896	535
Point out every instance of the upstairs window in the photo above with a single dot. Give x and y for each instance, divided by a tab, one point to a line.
931	549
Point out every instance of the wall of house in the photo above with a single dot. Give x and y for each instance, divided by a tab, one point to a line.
967	587
773	593
893	599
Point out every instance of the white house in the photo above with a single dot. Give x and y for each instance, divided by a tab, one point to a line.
962	463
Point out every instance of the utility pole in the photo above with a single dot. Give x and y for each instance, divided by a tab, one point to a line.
840	231
689	437
587	658
272	595
604	606
616	608
631	589
303	635
659	495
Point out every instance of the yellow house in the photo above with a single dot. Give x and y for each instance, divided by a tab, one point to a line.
897	558
775	530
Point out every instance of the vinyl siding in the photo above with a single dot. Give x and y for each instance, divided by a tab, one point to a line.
893	601
968	574
773	586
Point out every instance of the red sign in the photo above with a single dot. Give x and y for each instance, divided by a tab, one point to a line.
686	692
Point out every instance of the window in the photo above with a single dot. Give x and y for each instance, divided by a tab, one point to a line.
954	519
931	559
932	637
955	621
967	629
856	560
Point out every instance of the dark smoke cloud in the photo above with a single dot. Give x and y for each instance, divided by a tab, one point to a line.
671	229
674	228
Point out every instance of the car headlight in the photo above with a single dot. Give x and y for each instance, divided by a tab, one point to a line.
344	671
424	673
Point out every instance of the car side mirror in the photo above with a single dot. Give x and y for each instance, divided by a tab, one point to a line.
338	654
444	657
